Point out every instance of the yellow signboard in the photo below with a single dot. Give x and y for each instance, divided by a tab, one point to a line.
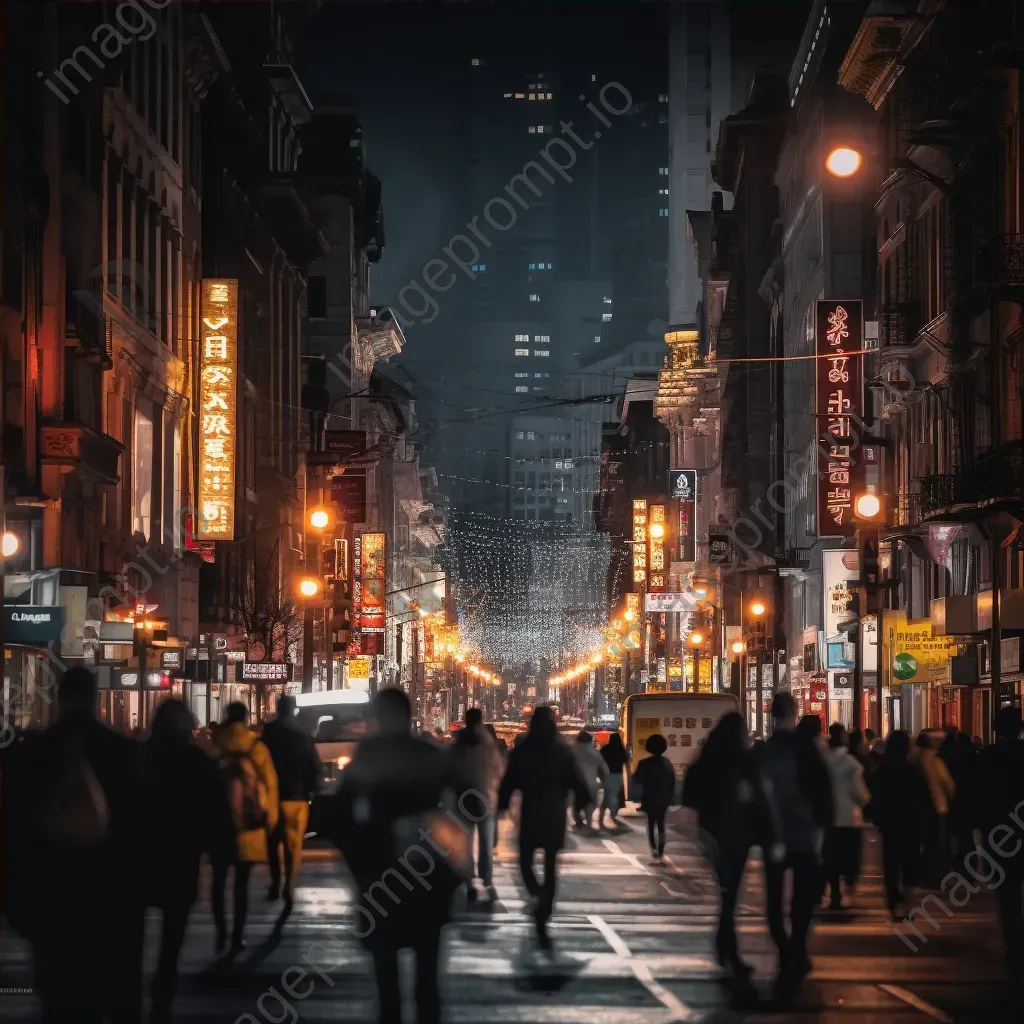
218	409
910	654
359	668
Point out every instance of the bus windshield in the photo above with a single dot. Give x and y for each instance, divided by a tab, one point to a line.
328	719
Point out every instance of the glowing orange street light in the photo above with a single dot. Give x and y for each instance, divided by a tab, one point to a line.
319	519
630	615
657	531
868	506
11	543
758	608
843	162
696	639
309	586
738	647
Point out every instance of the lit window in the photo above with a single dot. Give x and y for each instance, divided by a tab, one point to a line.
532	96
542	338
549	95
522	351
607	301
597	339
522	389
540	129
593	78
522	337
541	352
520	95
522	375
507	96
532	130
662	191
353	143
531	436
519	437
534	297
663	212
540	375
531	266
476	62
540	388
663	97
663	170
606	317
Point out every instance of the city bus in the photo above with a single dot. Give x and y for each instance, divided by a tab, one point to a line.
684	719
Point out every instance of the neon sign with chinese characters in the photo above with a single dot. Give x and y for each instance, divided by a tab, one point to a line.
218	409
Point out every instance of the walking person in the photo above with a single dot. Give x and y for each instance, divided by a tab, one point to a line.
941	789
250	781
544	771
186	814
899	800
961	760
799	793
389	807
1000	790
480	766
850	795
593	771
297	766
733	815
502	744
72	814
615	759
858	747
655	779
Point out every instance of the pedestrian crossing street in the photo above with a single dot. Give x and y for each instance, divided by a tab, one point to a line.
634	942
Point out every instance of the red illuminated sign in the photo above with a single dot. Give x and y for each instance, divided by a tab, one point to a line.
839	337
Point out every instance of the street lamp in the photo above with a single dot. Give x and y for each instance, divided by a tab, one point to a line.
868	506
657	531
738	647
843	162
758	608
309	586
700	589
11	543
319	519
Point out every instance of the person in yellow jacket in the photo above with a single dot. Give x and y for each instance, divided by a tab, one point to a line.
941	789
251	782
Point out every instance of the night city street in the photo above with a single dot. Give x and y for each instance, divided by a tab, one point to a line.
633	947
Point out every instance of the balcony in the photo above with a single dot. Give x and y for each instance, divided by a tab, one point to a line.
286	83
1002	264
79	449
899	324
908	509
87	325
996	475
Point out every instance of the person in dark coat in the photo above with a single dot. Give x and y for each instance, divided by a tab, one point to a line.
615	758
298	770
74	861
393	821
960	759
793	776
1000	793
733	815
655	779
187	814
900	804
544	770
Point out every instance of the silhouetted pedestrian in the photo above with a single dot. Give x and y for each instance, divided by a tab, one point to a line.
387	821
849	795
655	780
74	862
251	785
733	815
186	814
941	788
545	772
799	793
615	759
297	765
593	770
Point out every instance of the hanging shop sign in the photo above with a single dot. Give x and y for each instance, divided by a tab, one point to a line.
683	487
33	625
124	678
839	567
266	671
348	496
840	685
218	409
172	659
373	569
657	578
910	654
839	375
719	548
639	541
345	445
670	602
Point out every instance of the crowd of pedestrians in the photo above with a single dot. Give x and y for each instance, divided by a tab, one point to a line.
99	826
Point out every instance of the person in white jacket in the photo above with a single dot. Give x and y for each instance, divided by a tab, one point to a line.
593	769
849	796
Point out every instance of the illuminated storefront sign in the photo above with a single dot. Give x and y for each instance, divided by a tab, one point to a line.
839	337
639	541
218	409
266	671
683	487
657	578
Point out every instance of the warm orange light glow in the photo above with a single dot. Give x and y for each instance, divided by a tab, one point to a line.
758	608
738	647
630	615
700	589
309	586
843	162
868	506
319	519
696	639
10	544
657	531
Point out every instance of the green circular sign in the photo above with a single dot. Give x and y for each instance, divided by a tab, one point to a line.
904	666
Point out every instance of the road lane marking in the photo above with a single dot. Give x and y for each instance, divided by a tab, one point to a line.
908	997
681	1013
633	859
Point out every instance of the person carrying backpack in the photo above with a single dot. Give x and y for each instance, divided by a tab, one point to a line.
74	837
251	783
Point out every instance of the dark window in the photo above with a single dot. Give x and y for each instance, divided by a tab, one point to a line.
316	297
126	253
